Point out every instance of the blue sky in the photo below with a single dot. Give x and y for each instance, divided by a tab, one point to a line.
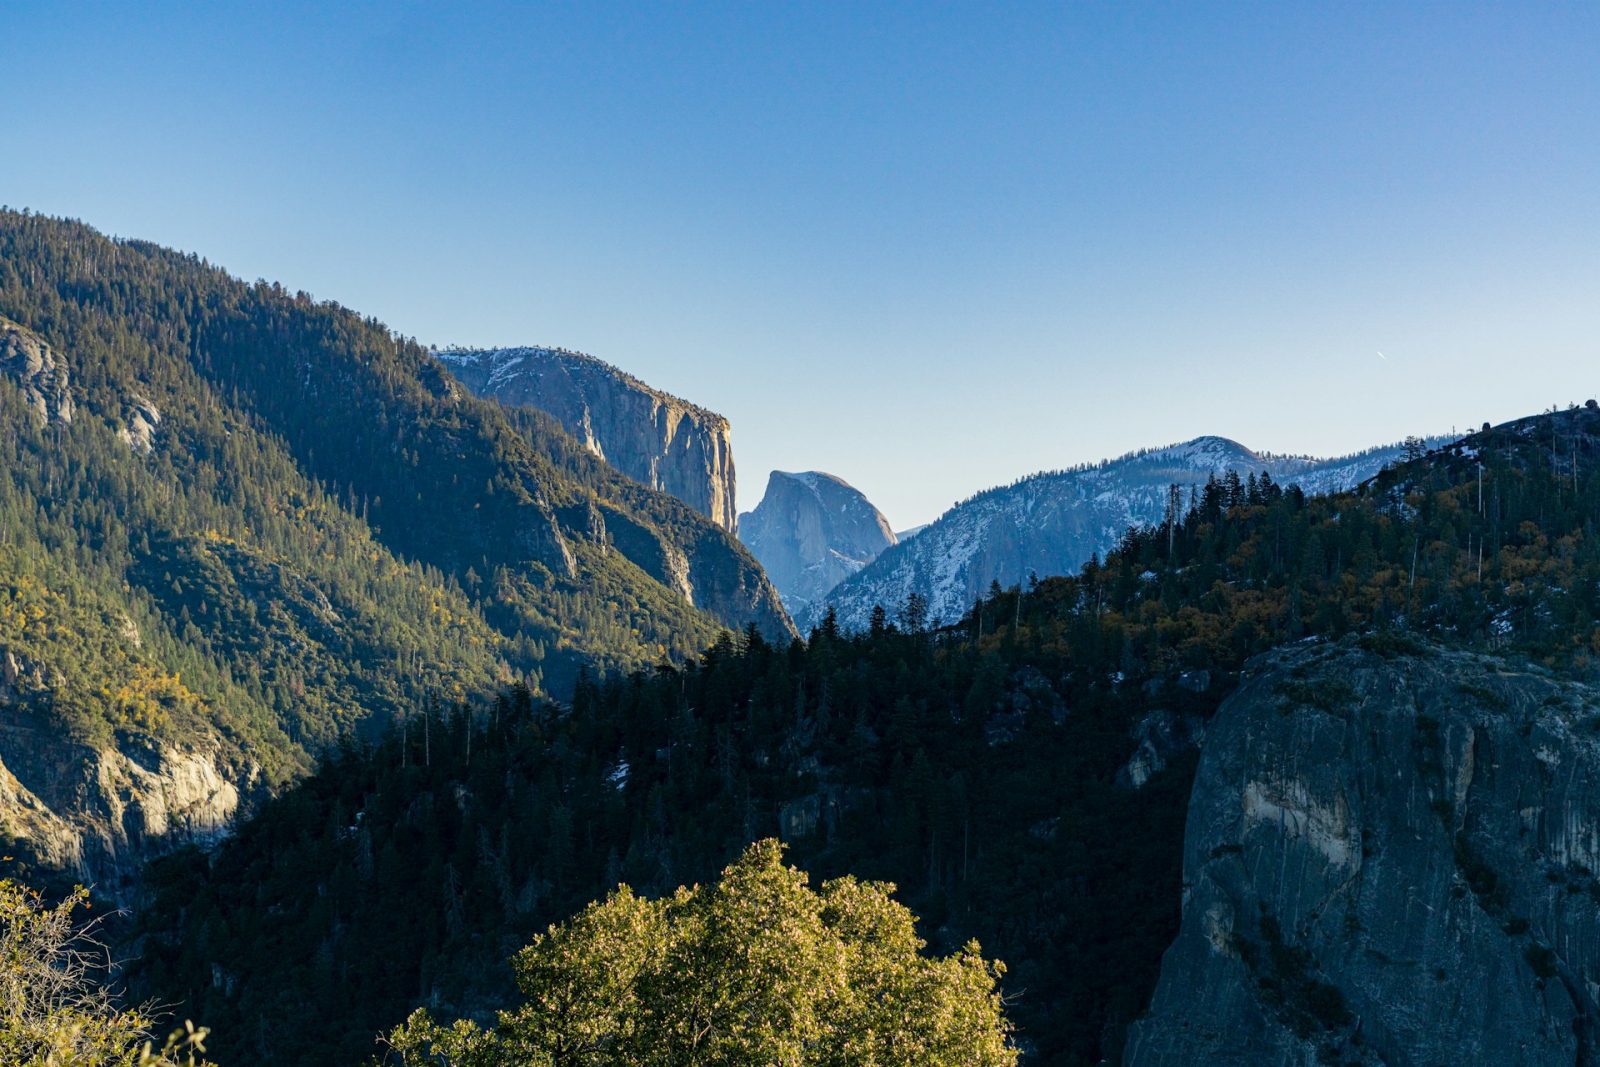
927	247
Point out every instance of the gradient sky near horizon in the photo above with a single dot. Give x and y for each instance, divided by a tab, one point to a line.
927	247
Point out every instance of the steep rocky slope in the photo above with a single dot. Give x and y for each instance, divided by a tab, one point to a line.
1051	523
28	361
811	531
659	440
96	813
1390	858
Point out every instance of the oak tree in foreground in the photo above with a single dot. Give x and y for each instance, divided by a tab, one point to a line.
54	1010
758	969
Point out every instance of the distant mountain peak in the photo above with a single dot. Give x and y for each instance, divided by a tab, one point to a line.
1203	449
814	480
811	531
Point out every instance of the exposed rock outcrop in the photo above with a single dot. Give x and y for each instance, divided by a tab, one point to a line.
97	814
1162	736
701	563
1388	861
811	531
652	553
726	582
666	443
139	425
34	366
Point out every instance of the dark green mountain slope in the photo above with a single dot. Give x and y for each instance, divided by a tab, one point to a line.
235	523
1022	776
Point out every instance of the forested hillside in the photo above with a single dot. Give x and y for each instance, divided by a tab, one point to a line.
240	522
1022	775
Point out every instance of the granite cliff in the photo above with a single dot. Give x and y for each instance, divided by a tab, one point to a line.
654	438
97	814
811	531
28	361
1391	857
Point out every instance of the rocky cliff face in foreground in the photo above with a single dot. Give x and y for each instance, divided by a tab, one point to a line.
811	531
666	443
1388	861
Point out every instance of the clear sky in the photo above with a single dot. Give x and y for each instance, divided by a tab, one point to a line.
927	247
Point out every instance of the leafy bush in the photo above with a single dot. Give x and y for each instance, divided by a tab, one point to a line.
53	1011
758	969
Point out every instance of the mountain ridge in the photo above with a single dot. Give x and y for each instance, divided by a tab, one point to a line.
1022	775
271	522
1051	522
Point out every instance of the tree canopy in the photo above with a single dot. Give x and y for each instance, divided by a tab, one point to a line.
758	969
313	528
981	767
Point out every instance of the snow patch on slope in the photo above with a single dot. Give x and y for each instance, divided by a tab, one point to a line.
1052	522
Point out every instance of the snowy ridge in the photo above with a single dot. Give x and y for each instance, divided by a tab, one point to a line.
505	364
1052	522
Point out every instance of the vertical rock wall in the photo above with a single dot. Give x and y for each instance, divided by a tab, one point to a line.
1391	857
666	443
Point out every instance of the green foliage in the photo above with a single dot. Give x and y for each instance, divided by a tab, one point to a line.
96	677
54	1009
326	530
975	767
1330	696
329	532
408	870
1391	644
758	969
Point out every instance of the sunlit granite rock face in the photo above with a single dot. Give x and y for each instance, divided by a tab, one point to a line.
666	443
33	366
97	814
1390	858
